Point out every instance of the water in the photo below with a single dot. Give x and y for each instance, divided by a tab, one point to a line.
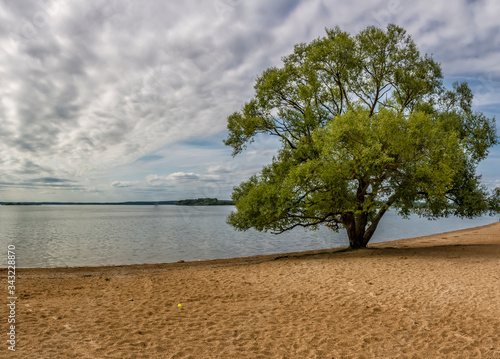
59	236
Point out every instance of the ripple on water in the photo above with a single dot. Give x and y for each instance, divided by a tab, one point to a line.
54	236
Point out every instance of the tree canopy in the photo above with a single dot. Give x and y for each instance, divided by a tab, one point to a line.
365	124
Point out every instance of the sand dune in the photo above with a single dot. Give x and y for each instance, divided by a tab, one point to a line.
429	297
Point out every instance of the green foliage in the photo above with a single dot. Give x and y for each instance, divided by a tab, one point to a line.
365	125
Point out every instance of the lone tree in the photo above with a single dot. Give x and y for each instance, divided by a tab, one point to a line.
365	124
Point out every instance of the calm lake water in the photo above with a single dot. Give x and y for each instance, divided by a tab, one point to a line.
58	236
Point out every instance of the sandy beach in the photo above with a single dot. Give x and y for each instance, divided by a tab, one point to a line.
429	297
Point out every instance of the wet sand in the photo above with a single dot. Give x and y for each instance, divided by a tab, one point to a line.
429	297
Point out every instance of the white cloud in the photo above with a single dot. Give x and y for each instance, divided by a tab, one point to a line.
123	184
88	88
218	169
183	176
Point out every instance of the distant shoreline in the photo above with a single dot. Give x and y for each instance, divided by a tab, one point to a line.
138	203
184	202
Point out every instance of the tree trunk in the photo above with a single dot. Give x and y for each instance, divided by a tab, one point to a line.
355	226
356	241
357	231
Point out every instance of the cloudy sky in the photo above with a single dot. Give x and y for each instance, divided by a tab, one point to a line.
104	100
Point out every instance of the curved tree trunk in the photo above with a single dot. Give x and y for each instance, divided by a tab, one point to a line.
357	231
355	226
356	241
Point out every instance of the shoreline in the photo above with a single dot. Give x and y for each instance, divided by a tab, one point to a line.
426	297
245	260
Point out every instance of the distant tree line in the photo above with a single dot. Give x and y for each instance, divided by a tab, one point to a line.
204	202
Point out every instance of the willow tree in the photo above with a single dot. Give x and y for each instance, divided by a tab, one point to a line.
365	125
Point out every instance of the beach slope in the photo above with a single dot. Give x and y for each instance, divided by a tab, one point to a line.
428	297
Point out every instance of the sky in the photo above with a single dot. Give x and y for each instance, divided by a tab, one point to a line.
128	100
